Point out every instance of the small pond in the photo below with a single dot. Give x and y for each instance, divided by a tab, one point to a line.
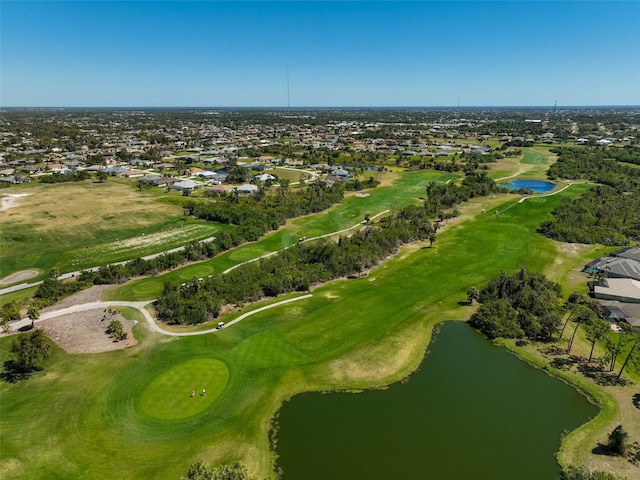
472	411
538	186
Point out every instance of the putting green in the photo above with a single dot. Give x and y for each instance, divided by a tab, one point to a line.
168	396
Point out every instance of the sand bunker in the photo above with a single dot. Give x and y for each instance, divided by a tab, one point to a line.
11	200
362	195
20	276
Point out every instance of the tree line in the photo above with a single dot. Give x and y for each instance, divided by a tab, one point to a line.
306	264
608	213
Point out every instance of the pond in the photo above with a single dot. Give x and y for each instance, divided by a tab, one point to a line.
538	186
472	411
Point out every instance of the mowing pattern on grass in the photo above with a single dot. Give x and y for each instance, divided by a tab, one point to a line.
532	157
168	396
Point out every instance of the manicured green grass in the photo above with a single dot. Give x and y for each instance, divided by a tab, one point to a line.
287	174
350	334
184	390
17	296
533	157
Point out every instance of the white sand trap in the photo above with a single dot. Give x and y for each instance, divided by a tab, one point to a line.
11	200
363	195
20	276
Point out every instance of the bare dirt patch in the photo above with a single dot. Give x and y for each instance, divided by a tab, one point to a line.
20	276
88	295
84	332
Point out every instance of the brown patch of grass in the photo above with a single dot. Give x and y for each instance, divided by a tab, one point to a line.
390	358
76	206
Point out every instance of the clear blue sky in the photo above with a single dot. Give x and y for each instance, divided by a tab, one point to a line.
208	53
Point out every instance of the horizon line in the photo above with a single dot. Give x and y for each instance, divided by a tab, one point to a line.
315	107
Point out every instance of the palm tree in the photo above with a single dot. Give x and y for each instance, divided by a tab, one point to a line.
594	331
584	316
634	353
34	314
473	294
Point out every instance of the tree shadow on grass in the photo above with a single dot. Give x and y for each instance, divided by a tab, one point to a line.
601	377
13	373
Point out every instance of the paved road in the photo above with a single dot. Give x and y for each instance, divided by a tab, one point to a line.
140	306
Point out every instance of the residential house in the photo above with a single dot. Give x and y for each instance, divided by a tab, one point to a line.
133	173
187	185
618	289
264	177
247	189
615	267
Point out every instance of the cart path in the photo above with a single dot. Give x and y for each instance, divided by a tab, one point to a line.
270	254
140	306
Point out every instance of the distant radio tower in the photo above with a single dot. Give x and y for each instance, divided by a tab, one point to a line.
555	106
288	103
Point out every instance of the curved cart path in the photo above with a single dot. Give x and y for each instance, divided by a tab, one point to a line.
140	306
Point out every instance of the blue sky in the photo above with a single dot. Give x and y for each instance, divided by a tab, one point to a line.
208	53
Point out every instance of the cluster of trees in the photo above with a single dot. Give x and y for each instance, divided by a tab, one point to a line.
608	213
234	471
52	290
357	184
66	177
523	304
603	215
116	331
474	184
598	164
30	349
257	214
294	269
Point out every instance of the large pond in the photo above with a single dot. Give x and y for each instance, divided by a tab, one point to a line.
538	186
472	411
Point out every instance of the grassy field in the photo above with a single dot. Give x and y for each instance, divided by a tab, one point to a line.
76	225
533	157
289	174
17	296
351	334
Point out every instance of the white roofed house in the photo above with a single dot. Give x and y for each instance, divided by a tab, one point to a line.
619	289
264	177
340	173
247	189
186	185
